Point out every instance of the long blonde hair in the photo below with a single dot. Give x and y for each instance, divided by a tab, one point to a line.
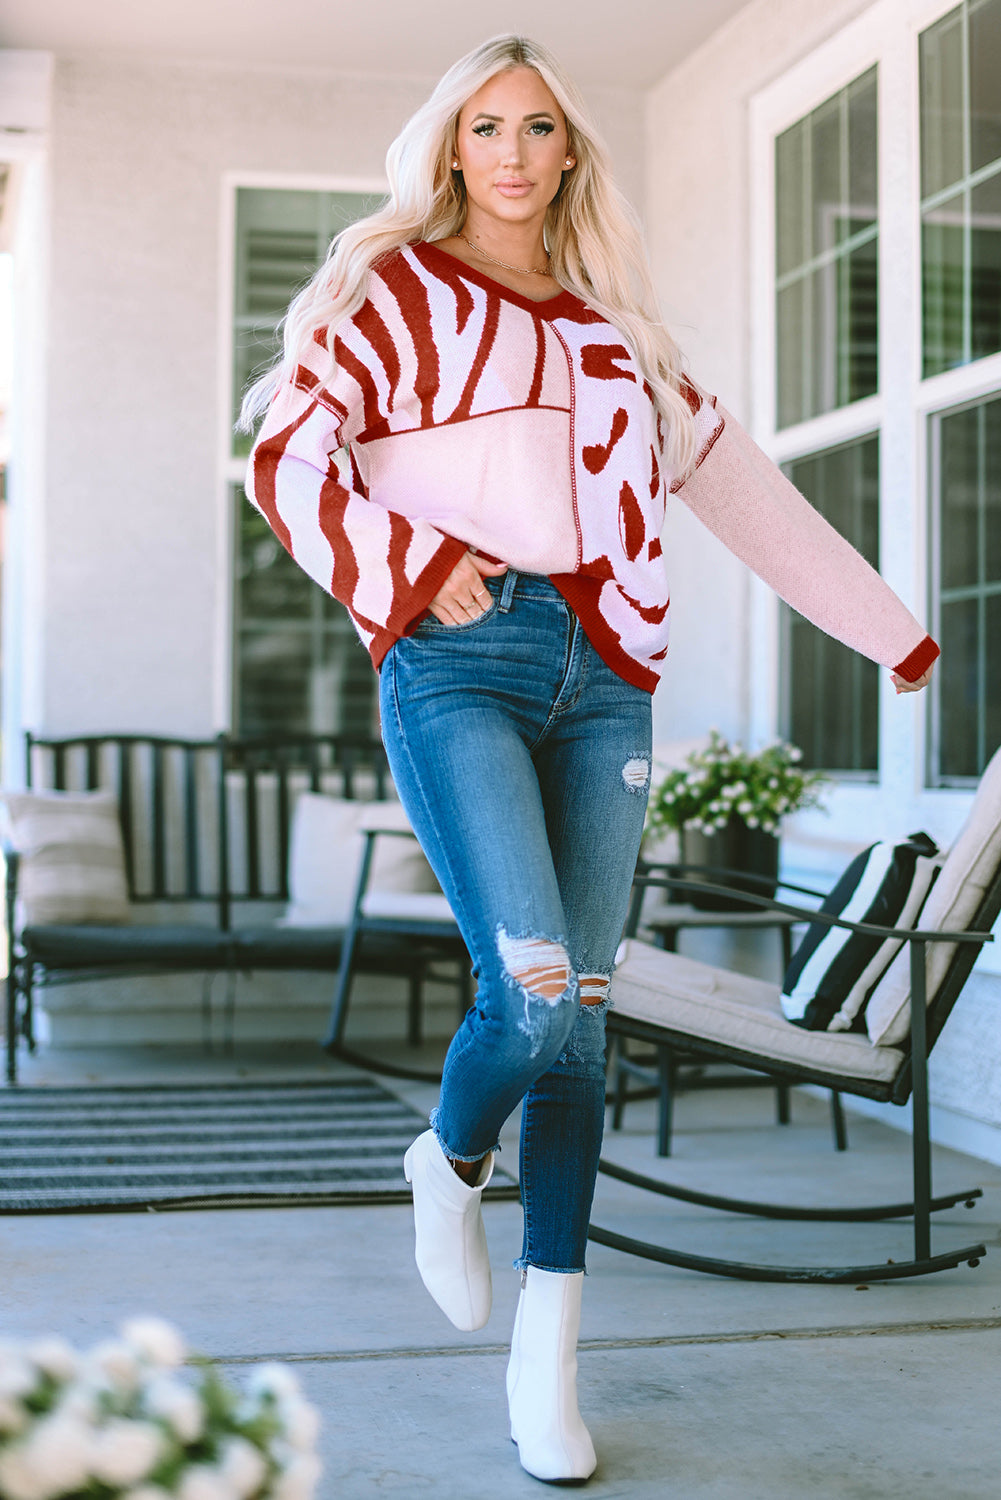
592	235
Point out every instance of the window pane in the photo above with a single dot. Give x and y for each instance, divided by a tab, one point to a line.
860	338
790	222
274	680
826	255
942	113
991	492
942	286
793	341
831	693
985	265
862	149
961	149
269	582
960	474
959	689
825	160
985	83
966	490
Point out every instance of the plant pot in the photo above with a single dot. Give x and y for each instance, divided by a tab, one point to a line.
738	848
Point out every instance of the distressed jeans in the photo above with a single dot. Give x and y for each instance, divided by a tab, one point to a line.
523	763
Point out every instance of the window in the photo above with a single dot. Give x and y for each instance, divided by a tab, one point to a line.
826	327
960	100
960	62
297	662
826	255
830	705
965	482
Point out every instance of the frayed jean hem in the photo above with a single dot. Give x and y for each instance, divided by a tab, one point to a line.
458	1155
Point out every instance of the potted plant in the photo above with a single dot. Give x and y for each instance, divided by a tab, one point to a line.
727	806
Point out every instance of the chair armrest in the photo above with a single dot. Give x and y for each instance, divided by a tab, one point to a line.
675	870
807	914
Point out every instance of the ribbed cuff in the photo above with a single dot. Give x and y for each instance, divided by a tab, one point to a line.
916	665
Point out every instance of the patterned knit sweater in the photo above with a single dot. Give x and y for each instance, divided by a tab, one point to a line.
461	414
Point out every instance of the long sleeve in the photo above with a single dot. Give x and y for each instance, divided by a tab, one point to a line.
383	566
747	502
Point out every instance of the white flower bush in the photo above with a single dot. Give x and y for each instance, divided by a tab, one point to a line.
137	1418
724	781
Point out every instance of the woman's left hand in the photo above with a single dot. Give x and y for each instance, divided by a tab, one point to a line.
903	686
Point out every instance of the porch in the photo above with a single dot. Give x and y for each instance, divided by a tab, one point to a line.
693	1386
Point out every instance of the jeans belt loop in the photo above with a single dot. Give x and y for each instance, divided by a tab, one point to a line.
507	592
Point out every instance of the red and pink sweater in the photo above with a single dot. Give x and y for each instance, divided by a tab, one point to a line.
461	414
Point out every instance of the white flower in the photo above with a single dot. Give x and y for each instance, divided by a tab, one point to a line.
176	1404
274	1380
204	1482
13	1417
57	1452
242	1466
17	1377
752	822
147	1492
745	807
81	1402
155	1341
54	1357
299	1480
795	753
18	1480
113	1364
301	1423
124	1451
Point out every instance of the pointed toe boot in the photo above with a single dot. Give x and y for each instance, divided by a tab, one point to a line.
451	1247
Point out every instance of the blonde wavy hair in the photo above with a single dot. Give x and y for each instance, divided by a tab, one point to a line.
592	235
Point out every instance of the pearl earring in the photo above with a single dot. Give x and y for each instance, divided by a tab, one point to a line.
455	165
568	162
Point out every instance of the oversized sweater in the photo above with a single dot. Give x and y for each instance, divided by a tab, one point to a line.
460	414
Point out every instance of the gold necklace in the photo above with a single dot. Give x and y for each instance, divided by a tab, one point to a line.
532	271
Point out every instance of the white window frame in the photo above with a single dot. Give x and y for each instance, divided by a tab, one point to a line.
230	470
886	36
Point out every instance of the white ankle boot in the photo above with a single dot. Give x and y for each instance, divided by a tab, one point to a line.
553	1442
451	1250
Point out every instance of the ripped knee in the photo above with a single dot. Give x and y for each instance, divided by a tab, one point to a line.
593	989
539	966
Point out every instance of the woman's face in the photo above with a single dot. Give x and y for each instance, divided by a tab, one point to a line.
511	146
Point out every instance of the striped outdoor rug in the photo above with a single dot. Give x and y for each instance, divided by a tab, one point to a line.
66	1150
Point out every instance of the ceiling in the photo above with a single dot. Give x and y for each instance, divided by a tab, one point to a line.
632	43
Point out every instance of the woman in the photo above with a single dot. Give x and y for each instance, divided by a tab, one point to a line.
469	441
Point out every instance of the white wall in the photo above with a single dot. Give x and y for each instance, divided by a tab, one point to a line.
137	552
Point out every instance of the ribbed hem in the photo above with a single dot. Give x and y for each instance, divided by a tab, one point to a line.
916	665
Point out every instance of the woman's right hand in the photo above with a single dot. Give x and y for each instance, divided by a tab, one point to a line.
462	596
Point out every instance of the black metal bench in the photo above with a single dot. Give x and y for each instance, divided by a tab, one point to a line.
206	826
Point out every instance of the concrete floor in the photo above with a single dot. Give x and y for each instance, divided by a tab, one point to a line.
693	1386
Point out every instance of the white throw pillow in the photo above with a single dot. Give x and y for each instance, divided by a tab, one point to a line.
968	869
72	865
325	852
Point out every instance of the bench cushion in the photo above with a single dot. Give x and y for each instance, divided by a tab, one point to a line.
699	1001
91	946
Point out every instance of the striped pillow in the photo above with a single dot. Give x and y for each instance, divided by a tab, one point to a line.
833	971
72	865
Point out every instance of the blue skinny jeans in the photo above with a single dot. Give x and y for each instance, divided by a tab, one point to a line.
523	763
